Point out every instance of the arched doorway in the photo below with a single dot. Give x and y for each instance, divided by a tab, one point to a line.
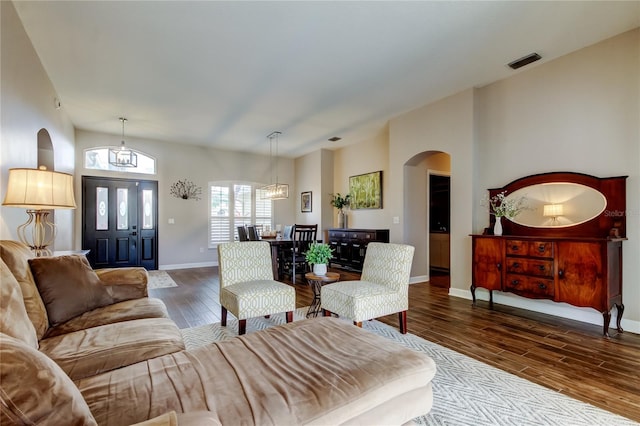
427	214
45	150
46	159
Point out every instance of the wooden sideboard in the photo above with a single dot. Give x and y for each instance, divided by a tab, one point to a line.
350	245
579	263
584	272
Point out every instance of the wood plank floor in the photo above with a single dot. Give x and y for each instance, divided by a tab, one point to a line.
567	356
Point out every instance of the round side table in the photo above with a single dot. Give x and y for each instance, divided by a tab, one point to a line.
316	282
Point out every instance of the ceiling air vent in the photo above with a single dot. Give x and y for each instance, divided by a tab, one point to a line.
525	60
334	139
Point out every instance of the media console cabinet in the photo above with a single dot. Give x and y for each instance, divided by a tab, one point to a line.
576	263
350	245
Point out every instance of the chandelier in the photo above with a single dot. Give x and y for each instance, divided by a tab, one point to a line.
123	157
275	191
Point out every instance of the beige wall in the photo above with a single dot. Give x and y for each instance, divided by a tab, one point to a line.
185	243
27	105
314	172
365	157
578	113
445	126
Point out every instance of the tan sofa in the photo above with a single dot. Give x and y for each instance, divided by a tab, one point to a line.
123	363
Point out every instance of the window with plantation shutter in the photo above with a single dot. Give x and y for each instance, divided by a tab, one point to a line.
234	204
219	214
263	209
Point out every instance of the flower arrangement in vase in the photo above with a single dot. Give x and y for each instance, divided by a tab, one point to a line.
340	202
319	255
501	206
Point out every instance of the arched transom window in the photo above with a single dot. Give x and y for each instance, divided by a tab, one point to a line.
98	159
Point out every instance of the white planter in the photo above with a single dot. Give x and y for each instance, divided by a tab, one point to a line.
320	269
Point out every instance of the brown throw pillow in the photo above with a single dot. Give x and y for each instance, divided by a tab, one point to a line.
14	320
68	286
35	390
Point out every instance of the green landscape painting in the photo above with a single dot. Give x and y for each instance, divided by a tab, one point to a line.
366	191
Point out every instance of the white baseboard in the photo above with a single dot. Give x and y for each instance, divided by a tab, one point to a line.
187	266
588	315
418	279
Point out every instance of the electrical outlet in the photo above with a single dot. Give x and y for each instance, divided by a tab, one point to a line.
396	220
201	249
172	221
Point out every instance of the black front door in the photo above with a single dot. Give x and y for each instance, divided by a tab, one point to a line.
119	222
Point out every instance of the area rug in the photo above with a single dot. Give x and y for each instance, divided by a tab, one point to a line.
160	279
466	391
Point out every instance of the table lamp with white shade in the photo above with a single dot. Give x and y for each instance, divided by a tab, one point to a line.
38	191
553	211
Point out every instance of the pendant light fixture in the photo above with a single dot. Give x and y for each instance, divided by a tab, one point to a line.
275	191
123	157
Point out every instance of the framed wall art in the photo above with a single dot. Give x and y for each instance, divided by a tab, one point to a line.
366	191
305	204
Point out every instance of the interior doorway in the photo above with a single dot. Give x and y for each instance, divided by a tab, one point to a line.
418	213
439	219
120	222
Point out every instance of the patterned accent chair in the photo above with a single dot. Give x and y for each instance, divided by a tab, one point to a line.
383	287
247	287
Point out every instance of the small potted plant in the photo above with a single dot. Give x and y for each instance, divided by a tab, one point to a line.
319	255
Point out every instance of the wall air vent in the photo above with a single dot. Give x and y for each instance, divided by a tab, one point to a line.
526	60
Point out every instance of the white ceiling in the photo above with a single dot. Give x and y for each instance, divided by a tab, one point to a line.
226	74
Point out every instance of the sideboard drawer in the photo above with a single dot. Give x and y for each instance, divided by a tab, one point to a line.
536	267
336	235
541	248
516	247
364	236
530	286
529	248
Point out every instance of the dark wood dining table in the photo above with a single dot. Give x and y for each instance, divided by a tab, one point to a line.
277	245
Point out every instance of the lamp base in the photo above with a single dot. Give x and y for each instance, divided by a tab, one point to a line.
43	232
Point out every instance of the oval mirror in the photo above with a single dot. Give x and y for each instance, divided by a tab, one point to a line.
558	204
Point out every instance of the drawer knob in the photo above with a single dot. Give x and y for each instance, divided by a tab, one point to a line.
516	265
515	282
515	248
499	266
542	286
541	268
541	248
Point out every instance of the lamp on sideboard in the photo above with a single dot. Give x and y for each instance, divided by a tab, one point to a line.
553	211
39	191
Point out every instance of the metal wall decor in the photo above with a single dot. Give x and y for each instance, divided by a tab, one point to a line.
186	190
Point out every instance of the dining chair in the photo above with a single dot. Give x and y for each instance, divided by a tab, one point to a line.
287	232
252	233
383	287
242	233
247	287
302	236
